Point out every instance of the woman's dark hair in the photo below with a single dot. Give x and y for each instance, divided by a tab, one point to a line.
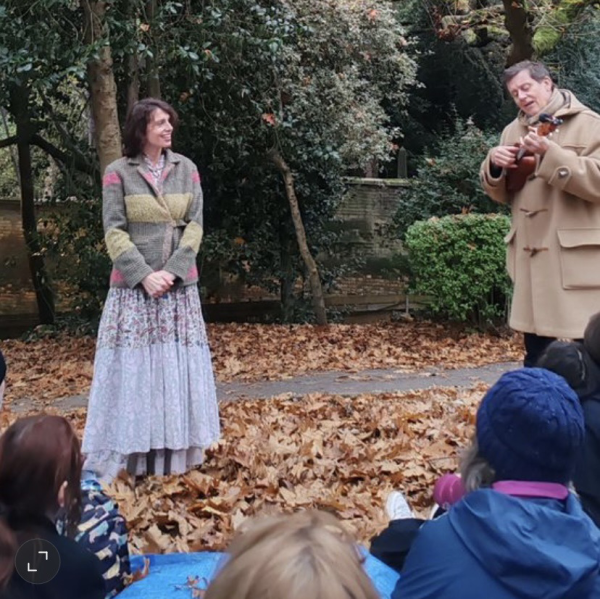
37	455
134	133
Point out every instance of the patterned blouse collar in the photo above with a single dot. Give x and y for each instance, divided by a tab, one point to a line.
156	170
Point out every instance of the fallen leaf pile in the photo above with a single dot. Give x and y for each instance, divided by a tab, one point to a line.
327	452
60	366
273	352
317	451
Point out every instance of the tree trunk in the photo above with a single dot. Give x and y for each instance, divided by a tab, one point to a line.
153	81
287	276
19	99
102	87
314	277
518	24
133	89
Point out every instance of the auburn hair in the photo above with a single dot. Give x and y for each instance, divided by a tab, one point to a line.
38	454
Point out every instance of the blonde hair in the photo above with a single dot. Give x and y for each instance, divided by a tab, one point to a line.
307	555
475	470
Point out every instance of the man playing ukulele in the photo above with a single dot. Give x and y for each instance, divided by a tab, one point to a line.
553	247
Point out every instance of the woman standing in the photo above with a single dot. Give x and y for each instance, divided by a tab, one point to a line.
153	405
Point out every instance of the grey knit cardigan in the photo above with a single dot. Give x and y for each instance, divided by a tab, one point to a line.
146	230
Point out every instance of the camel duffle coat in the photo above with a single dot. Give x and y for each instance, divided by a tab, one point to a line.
553	247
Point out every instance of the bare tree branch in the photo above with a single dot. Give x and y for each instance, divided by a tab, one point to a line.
81	165
80	157
9	141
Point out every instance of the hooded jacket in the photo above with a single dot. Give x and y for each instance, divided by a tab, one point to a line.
494	546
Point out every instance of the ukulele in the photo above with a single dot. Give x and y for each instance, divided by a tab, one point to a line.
526	161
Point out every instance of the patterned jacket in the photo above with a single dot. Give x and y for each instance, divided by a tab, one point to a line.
103	531
146	230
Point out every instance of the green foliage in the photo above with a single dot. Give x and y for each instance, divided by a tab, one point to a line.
447	181
459	261
573	58
309	78
316	74
75	245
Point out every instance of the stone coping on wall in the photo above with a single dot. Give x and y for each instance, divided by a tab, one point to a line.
372	182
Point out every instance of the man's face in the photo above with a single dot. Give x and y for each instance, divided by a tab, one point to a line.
530	95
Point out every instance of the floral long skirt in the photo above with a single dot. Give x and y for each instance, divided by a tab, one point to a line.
153	404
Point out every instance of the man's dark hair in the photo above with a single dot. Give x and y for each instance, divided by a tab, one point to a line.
134	133
537	70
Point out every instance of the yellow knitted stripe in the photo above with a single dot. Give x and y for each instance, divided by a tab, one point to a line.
178	204
192	236
117	243
144	208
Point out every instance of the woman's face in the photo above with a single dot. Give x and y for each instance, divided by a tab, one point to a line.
159	130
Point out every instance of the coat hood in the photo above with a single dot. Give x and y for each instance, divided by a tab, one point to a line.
543	548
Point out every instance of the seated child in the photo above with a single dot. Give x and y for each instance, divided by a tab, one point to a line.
518	531
103	531
299	556
392	545
40	469
576	363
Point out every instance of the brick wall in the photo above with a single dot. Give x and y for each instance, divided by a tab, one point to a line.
16	290
366	210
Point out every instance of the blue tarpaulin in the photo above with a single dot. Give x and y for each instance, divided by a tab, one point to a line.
169	575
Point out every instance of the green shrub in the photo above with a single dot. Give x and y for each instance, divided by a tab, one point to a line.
459	261
447	181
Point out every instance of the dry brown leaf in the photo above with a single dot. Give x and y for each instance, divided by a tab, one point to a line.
330	452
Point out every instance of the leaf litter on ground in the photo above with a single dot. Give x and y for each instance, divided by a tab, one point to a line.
328	452
318	451
60	366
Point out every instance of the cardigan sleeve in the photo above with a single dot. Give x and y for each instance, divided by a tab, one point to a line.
183	259
125	256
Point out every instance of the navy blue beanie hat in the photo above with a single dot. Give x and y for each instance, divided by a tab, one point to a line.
530	427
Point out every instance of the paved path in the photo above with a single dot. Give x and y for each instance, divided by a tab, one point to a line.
340	383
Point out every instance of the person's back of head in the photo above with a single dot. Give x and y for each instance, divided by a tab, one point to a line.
40	470
591	337
565	358
529	427
299	556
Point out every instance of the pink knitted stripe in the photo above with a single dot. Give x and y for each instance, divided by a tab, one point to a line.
111	179
116	276
196	177
192	272
520	488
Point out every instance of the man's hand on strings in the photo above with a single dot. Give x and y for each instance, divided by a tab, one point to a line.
534	143
504	156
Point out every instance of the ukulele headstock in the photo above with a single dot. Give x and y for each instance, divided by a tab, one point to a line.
548	124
